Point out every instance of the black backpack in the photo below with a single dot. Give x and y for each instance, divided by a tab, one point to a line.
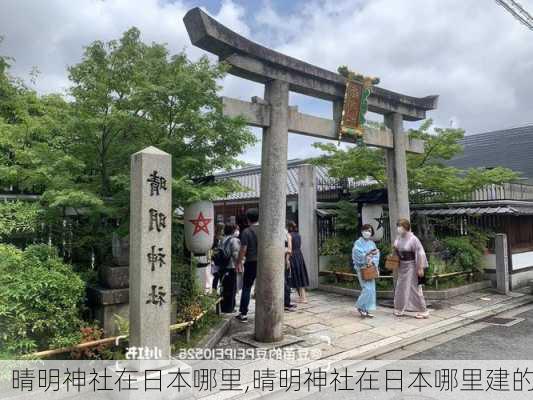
222	256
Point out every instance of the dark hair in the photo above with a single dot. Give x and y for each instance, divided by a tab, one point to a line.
405	223
242	221
368	227
292	227
253	215
219	230
229	229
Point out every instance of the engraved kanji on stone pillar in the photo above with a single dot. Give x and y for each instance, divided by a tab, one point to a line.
150	251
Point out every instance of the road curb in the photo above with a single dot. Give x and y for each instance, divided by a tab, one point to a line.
215	334
464	321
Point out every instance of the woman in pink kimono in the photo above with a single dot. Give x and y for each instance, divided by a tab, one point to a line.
407	293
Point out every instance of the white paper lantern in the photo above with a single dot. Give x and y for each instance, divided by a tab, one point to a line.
199	226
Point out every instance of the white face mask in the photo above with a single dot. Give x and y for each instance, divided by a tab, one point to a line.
236	234
401	230
366	234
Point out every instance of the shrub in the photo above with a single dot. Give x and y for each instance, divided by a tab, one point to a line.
346	222
40	300
19	220
332	246
89	334
463	253
188	287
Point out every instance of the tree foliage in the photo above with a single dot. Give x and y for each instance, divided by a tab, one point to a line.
125	95
427	173
130	95
18	219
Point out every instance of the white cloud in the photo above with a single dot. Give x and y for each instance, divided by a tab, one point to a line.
472	53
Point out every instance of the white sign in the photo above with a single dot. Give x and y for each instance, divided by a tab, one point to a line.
373	214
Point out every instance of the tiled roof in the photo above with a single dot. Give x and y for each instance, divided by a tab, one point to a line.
511	148
250	177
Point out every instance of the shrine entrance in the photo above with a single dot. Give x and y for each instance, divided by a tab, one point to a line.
281	74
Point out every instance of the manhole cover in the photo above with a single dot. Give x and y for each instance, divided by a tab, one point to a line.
501	321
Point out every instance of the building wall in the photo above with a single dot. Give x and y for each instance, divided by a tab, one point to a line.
522	272
229	212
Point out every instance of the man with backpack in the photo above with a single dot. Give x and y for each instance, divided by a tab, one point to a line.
226	257
247	261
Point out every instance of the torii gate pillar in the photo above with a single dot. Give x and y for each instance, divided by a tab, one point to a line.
272	213
398	194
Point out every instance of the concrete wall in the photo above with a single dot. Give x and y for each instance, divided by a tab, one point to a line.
519	260
522	260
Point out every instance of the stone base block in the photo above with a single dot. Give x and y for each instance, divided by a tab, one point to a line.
115	277
107	317
107	303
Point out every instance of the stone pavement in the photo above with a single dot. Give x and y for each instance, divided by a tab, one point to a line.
329	322
334	334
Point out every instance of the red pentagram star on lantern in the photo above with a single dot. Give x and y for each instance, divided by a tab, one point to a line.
200	224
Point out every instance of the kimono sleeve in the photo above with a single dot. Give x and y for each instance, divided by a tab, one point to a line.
375	257
358	254
421	258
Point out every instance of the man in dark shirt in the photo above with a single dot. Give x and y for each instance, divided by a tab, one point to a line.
248	254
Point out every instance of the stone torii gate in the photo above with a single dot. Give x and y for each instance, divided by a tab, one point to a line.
281	74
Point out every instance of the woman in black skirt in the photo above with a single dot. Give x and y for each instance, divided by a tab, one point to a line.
299	277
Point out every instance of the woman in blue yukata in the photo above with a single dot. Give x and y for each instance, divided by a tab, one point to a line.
365	252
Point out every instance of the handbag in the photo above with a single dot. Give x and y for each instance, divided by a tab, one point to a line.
392	262
369	272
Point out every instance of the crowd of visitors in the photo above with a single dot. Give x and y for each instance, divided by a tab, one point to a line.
235	263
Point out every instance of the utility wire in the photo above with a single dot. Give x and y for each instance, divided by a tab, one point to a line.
517	11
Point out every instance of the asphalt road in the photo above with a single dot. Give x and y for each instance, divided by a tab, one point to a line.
490	343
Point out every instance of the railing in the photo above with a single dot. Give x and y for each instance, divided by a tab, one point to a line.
434	278
348	275
332	190
325	229
506	191
114	340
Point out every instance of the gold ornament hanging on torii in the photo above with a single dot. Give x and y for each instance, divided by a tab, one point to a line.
358	88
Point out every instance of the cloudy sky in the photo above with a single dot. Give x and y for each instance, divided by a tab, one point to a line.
470	52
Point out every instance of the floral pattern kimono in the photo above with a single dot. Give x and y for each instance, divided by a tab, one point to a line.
367	299
407	294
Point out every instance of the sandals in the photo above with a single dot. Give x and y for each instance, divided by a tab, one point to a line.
398	313
424	315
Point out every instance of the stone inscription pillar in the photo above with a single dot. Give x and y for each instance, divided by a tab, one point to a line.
502	263
150	252
272	214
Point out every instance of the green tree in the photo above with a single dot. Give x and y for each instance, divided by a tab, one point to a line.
428	173
33	139
129	95
125	95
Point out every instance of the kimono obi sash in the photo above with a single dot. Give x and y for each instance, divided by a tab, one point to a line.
406	255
